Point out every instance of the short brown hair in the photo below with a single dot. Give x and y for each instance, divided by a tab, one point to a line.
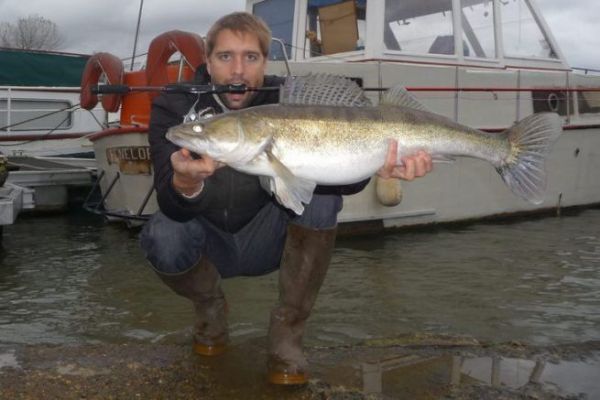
240	22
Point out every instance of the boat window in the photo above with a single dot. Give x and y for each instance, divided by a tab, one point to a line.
589	102
477	18
420	27
334	26
556	101
521	33
279	16
26	114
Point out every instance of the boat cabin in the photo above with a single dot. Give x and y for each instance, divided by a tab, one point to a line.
484	63
473	32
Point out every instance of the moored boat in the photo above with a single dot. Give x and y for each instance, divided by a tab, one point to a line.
122	151
39	105
483	63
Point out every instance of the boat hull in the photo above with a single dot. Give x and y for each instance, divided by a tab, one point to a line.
124	174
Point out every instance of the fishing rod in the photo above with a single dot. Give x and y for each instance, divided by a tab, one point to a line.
242	88
181	88
191	88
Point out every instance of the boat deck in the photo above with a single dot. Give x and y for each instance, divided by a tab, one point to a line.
40	184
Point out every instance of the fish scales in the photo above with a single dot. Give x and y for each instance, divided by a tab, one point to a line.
320	131
309	140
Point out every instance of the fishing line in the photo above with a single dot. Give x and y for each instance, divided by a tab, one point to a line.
96	119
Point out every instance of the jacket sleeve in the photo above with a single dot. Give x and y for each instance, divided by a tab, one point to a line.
165	114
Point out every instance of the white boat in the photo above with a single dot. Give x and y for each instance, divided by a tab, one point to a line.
483	63
122	151
39	105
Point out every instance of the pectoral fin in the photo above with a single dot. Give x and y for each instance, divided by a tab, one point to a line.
291	191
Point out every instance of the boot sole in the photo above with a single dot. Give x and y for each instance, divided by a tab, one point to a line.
209	350
282	378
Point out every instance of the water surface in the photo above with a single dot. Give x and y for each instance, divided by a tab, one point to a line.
75	279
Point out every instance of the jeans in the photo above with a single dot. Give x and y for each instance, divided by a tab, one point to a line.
173	248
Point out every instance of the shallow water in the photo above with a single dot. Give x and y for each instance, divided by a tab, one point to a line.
73	278
433	377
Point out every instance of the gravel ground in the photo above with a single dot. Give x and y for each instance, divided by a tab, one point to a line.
415	367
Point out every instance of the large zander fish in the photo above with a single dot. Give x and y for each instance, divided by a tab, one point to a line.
326	131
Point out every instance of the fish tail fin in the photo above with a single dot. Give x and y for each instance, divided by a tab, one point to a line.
524	168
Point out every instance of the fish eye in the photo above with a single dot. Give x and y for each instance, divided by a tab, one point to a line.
197	128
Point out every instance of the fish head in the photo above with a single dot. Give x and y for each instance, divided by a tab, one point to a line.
233	138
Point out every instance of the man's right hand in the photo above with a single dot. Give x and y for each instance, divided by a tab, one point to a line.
189	173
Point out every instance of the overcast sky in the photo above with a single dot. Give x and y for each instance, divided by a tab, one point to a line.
109	25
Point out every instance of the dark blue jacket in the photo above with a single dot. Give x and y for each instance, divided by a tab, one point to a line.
230	199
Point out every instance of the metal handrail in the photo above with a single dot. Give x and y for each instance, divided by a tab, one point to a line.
285	57
145	201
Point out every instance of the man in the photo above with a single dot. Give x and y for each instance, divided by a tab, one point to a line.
215	222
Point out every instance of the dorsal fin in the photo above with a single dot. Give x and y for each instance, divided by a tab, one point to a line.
324	90
399	96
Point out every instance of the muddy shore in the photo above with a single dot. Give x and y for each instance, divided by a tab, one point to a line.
415	367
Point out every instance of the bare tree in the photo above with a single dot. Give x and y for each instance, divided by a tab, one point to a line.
31	33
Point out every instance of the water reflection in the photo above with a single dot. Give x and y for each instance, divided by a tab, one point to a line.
8	359
416	376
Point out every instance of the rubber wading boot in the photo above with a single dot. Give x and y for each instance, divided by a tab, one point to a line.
305	260
202	286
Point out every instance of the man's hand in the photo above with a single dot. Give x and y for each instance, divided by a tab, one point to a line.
412	167
190	173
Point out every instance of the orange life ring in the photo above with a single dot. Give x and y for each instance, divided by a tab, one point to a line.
162	47
96	65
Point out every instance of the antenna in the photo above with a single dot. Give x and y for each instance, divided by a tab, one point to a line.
137	32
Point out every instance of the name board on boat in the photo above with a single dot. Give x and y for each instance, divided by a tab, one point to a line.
132	160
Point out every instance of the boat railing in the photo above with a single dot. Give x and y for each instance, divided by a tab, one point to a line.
284	53
587	71
97	207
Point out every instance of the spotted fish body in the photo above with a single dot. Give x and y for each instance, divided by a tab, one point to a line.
293	145
338	145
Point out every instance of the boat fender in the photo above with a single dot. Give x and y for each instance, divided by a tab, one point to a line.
388	191
162	47
112	67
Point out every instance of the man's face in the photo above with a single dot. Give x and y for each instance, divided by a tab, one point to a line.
236	58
